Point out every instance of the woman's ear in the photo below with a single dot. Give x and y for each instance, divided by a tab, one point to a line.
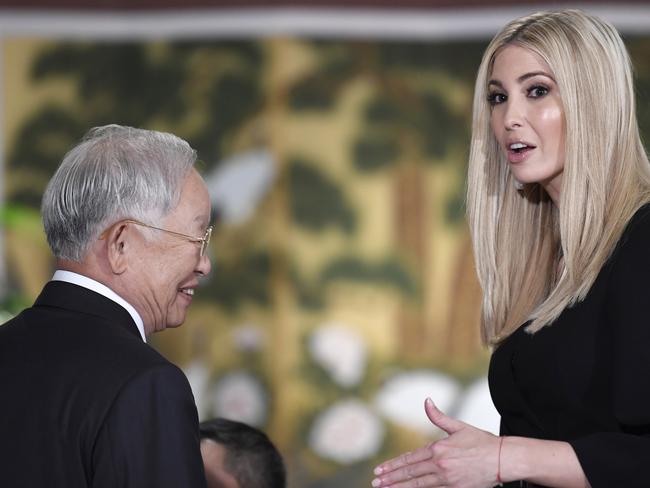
118	241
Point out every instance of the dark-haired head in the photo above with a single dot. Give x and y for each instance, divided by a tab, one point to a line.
244	452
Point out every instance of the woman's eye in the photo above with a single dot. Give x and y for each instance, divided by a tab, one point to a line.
537	91
496	98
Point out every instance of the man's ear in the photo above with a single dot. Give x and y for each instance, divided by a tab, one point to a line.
118	241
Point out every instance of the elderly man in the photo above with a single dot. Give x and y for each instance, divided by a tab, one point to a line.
85	401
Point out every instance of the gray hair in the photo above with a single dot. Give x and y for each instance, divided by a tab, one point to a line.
114	173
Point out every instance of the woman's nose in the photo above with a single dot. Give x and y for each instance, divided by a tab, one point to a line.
514	116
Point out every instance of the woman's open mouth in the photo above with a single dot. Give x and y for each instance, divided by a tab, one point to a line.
518	151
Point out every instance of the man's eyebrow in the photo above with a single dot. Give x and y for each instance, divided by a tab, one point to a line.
523	78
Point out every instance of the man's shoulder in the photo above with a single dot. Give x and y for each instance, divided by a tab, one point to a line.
91	352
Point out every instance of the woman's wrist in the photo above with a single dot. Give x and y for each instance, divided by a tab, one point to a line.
513	459
499	478
544	462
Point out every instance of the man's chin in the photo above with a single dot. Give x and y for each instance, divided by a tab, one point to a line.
176	319
172	324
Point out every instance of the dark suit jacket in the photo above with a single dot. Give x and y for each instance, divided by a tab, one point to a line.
84	402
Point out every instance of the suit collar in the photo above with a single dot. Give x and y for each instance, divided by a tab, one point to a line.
68	296
96	286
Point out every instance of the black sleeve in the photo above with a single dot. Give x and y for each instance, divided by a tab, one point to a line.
622	458
150	437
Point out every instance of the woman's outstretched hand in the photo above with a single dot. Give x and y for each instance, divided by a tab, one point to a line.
467	458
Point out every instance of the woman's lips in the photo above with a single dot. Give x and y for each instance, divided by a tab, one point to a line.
520	155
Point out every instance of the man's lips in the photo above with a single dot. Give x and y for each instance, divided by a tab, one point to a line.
188	290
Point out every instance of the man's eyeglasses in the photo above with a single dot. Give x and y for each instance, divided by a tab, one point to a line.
205	240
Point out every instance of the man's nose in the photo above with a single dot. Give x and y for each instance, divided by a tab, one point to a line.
204	265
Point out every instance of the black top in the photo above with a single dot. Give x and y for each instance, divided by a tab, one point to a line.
585	379
84	402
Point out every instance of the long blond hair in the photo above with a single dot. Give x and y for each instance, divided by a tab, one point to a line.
519	235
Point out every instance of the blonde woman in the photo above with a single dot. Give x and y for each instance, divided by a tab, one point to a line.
558	187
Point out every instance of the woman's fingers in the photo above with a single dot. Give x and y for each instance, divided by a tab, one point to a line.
406	459
430	466
395	480
416	469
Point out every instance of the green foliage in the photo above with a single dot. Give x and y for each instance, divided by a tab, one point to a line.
402	110
382	110
16	216
138	84
638	48
245	279
407	116
455	210
438	127
458	58
317	201
374	151
248	54
351	268
12	304
121	81
319	90
233	99
337	57
310	295
388	273
38	150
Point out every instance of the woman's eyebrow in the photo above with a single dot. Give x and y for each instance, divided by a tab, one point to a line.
523	78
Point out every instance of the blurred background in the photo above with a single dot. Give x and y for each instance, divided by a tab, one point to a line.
334	139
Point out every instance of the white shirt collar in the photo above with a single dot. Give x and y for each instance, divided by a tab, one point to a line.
97	287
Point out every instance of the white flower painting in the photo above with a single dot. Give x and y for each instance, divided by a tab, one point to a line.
340	351
347	432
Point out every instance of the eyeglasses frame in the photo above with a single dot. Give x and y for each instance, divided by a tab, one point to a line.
205	240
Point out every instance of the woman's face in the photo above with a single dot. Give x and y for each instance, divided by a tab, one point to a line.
527	117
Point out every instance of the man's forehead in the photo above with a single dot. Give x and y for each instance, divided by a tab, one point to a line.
214	455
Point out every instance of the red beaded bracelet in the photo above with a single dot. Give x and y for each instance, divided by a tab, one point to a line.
499	480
